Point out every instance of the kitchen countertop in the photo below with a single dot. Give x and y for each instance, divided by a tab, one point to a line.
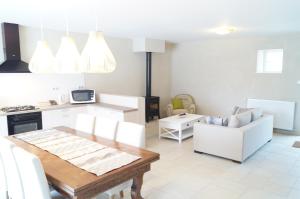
64	106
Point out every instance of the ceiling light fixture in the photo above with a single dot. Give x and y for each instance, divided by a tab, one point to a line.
67	57
96	56
42	60
224	30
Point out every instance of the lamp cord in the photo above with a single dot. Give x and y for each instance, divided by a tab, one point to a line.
67	24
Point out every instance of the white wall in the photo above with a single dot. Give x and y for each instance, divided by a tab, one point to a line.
128	79
220	73
21	89
130	76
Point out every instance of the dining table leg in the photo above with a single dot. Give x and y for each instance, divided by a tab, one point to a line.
137	186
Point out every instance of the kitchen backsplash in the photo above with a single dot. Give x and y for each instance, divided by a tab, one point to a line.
20	89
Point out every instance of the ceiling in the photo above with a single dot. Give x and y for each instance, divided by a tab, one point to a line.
172	20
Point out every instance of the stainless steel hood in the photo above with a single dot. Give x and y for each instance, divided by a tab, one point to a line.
11	48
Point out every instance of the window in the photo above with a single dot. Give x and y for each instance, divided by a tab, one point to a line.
269	61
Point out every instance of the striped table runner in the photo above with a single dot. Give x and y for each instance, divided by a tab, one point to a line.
83	153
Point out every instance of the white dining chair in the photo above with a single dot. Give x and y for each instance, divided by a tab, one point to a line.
85	123
33	177
3	182
106	127
132	134
14	183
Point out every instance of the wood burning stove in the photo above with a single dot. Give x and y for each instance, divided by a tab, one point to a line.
151	102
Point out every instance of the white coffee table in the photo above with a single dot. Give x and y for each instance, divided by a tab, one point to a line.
178	128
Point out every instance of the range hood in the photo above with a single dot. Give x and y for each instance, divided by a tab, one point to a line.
11	48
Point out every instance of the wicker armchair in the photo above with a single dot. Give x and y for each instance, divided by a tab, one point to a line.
188	104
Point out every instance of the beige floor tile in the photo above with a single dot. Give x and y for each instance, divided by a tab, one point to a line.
294	194
260	194
271	173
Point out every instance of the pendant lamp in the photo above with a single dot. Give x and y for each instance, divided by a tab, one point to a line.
67	57
42	60
96	56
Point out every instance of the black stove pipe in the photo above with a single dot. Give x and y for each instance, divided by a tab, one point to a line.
148	73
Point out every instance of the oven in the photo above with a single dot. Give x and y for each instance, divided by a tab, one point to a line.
19	123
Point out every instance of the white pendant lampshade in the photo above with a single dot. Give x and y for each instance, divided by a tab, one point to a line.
42	60
67	57
96	56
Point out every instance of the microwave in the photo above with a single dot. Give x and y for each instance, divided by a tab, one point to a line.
83	96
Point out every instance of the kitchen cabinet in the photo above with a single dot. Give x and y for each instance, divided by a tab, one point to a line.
61	117
3	126
66	115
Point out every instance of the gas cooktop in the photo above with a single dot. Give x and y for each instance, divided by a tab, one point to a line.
18	108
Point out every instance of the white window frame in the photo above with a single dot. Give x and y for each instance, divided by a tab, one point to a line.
261	66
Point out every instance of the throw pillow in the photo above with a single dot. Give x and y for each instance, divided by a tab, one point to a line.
225	122
240	119
244	118
233	122
243	110
234	110
217	121
177	103
256	113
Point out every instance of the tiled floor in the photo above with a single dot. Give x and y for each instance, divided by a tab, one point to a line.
271	173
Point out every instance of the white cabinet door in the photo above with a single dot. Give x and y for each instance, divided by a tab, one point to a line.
61	117
52	118
3	126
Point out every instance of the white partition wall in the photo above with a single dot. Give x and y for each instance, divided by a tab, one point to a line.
127	101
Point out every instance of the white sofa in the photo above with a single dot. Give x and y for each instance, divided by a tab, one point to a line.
233	143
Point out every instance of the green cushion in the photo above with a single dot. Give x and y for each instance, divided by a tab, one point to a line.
177	103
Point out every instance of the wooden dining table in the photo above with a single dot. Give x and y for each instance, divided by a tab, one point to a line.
77	183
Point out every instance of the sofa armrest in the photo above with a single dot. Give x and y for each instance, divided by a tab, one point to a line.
169	109
256	134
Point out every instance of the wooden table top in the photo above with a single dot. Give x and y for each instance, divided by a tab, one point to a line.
71	180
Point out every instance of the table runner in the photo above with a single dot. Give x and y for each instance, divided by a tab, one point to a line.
83	153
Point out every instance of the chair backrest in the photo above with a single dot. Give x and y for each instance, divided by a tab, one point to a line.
3	182
186	99
32	175
85	123
14	183
106	127
131	134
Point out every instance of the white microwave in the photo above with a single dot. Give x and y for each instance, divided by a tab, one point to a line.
82	96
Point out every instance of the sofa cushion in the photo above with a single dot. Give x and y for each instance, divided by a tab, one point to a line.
240	119
177	103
